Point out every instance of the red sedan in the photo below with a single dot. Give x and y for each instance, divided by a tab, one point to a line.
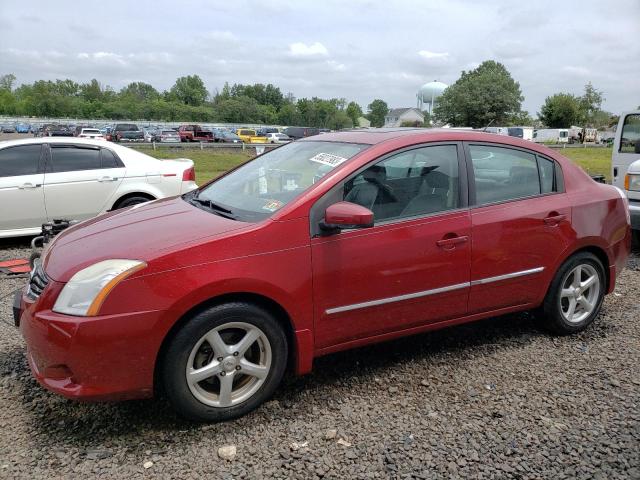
324	244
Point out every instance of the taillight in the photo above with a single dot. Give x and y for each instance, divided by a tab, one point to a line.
189	175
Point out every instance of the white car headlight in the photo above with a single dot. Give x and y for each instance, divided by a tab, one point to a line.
632	182
87	290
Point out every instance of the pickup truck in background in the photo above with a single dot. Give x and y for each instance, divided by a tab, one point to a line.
625	164
248	135
195	133
126	132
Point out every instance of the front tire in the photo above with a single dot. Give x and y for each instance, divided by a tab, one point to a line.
128	202
575	296
224	362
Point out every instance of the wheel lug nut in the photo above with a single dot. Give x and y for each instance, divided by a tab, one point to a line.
235	354
222	374
238	367
219	359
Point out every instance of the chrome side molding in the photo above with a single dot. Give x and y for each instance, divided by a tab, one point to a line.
426	293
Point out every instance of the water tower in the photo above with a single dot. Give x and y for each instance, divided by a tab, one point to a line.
428	94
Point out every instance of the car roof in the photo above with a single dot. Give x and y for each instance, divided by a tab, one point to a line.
67	140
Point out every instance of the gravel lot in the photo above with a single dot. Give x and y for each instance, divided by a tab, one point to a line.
494	399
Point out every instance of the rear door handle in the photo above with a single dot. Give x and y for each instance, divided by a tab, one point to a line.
28	185
107	179
554	220
449	243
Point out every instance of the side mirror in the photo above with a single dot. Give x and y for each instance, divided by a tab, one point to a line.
345	215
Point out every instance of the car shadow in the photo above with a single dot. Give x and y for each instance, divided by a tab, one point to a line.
66	423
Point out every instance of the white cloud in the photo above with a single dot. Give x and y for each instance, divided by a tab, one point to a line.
337	66
300	49
431	55
575	70
220	36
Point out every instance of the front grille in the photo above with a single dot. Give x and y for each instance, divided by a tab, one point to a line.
38	280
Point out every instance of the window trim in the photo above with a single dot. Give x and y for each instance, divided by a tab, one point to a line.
41	163
473	204
333	195
619	137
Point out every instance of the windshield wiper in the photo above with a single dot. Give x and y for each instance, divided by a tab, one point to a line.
215	208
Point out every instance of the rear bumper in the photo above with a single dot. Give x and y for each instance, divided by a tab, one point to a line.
104	358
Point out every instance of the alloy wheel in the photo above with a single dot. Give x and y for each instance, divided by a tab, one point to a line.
229	364
580	290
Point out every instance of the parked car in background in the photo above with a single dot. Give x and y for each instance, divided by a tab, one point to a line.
551	135
91	134
195	133
56	130
224	136
314	247
150	133
8	128
23	128
248	135
625	166
126	132
300	132
525	133
167	136
72	178
265	131
278	138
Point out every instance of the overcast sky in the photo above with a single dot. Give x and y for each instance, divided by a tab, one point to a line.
355	49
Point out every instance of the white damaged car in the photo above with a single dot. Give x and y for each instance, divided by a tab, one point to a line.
43	179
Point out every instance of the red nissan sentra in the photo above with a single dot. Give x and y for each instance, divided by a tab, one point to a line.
321	245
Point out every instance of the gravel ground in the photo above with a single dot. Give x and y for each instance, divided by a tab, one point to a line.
494	399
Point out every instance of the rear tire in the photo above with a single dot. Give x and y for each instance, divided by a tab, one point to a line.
224	362
128	202
575	296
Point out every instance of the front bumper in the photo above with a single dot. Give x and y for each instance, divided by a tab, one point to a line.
104	358
634	210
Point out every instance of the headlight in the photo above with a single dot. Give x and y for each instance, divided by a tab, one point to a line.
632	182
87	290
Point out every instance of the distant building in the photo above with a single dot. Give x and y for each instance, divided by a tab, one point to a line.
363	123
398	116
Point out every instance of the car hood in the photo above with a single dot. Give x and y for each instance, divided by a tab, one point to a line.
143	232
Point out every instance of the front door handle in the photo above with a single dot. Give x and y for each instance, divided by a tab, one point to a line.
107	179
554	220
28	185
450	243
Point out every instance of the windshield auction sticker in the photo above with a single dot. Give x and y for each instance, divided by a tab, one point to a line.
328	159
272	205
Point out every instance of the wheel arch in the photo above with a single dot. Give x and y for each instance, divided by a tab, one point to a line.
279	312
599	252
128	195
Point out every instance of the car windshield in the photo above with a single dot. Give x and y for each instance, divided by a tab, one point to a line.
263	186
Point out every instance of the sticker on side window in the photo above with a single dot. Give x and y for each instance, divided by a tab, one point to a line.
272	205
328	159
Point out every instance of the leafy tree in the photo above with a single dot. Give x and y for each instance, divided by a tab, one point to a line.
591	103
354	112
139	91
190	90
480	96
7	81
561	111
521	118
91	92
378	109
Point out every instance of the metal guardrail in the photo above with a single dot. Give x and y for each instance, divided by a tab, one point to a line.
259	147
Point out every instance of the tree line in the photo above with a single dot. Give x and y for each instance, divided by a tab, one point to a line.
187	100
486	95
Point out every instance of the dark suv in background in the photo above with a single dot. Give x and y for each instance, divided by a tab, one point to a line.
127	132
300	132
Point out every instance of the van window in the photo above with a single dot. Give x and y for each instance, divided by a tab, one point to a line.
630	138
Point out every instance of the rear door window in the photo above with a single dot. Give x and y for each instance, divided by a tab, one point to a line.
20	160
503	174
69	158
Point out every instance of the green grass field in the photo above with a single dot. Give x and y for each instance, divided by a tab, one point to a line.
210	163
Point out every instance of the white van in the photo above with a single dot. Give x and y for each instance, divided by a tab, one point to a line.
624	172
551	135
